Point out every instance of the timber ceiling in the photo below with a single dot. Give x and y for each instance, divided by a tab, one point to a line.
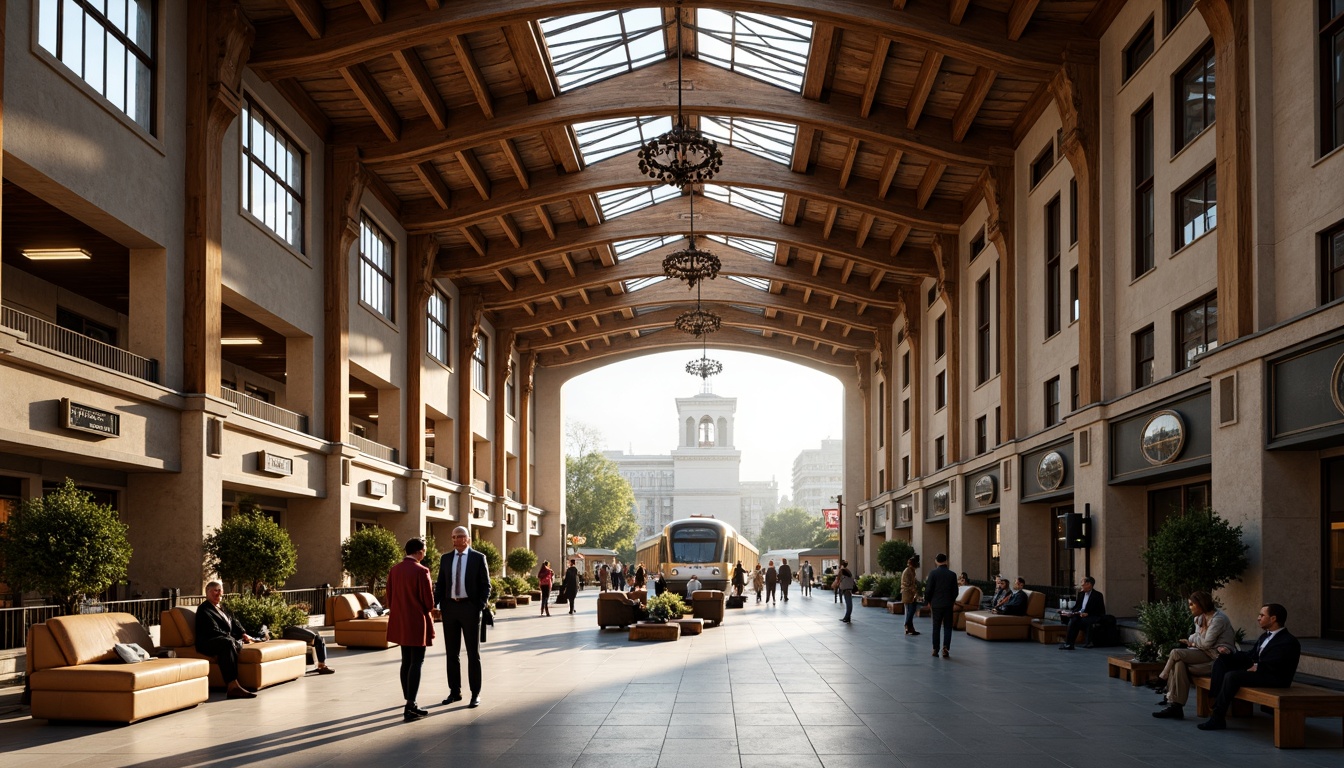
854	132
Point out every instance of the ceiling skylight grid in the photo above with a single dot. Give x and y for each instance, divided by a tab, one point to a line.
587	47
644	282
764	249
618	202
766	138
769	48
601	139
762	202
759	283
625	249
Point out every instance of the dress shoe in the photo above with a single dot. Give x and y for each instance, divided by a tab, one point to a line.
325	671
239	692
910	631
411	715
475	701
844	621
417	710
1214	723
1066	647
935	653
1172	712
452	697
945	654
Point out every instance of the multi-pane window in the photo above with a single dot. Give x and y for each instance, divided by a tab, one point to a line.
510	393
1139	49
905	415
939	452
1052	269
436	331
1194	88
1332	74
109	44
272	175
1196	330
1176	10
375	268
1197	207
982	335
881	413
940	337
1145	223
1332	263
905	470
1073	211
977	244
1043	163
981	435
940	391
1143	357
1074	399
1074	306
479	378
1052	402
905	371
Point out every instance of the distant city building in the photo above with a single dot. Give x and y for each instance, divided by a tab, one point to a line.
817	476
701	476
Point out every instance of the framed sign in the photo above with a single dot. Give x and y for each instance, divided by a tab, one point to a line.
273	464
375	489
85	418
985	492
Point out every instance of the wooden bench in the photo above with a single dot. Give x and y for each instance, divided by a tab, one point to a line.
1292	706
1048	632
874	602
1136	672
649	631
690	626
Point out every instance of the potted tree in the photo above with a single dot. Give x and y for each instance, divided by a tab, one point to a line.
253	551
521	561
369	554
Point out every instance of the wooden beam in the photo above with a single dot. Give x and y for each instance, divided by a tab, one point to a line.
824	37
429	176
897	240
373	9
545	219
310	15
475	173
538	271
374	100
1018	16
462	50
510	228
506	278
308	109
875	279
802	149
839	363
529	52
829	223
971	101
515	162
477	240
847	167
919	92
889	167
417	77
865	226
929	182
956	10
875	70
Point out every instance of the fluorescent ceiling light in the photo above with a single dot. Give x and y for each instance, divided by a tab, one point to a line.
373	416
357	395
57	254
240	341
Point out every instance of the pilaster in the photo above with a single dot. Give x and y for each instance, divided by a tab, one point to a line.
997	185
945	253
345	182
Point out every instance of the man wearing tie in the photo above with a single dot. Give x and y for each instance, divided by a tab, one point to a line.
1088	611
461	593
1272	664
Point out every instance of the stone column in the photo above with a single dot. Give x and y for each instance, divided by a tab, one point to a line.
345	182
945	253
997	184
548	490
526	372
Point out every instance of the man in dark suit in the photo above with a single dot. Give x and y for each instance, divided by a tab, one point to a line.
940	590
785	579
1088	611
1271	664
571	584
219	635
462	593
1016	602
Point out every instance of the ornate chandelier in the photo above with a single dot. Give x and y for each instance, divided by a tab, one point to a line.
683	155
704	367
698	322
692	264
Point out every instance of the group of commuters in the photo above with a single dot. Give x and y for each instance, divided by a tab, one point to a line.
770	581
619	576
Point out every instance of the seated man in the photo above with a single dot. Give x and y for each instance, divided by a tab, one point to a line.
641	610
313	639
1016	604
1089	610
221	636
692	586
1272	664
1001	593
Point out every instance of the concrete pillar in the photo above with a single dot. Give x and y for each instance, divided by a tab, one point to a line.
854	492
318	526
548	490
300	379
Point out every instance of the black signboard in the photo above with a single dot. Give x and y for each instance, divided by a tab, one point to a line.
89	419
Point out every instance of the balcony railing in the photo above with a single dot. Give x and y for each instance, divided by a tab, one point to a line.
438	470
77	345
265	411
376	450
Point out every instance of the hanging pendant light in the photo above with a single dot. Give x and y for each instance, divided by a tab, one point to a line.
683	155
704	367
698	322
692	264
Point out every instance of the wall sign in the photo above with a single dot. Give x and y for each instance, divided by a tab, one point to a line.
86	418
273	464
940	501
985	492
1163	438
375	489
1050	471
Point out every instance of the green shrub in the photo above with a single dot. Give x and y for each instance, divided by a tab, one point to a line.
493	562
515	585
522	560
668	605
250	549
866	582
1198	551
432	556
369	553
886	586
893	555
254	612
533	583
1163	625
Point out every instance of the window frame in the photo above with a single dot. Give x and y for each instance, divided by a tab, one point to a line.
1075	307
440	328
1180	361
510	392
881	413
983	314
1208	178
1051	402
1130	60
939	452
940	337
1141	359
247	160
978	243
1174	13
905	416
1053	295
981	435
1328	270
1145	199
1204	62
130	48
480	364
1074	399
940	391
1331	109
1042	164
369	228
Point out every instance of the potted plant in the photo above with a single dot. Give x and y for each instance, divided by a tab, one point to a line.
369	554
1164	624
666	607
251	549
1198	551
500	591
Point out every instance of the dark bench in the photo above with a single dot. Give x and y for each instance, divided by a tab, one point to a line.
1292	706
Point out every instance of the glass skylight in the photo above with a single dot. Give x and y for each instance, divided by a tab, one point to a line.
769	48
764	249
618	202
587	47
601	139
767	138
761	202
625	249
759	283
644	282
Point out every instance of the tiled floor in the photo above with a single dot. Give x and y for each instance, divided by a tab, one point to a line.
777	686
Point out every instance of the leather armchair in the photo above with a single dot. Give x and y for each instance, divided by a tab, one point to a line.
259	664
708	604
352	630
992	626
968	599
614	611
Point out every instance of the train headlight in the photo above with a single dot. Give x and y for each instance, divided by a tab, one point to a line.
676	571
716	571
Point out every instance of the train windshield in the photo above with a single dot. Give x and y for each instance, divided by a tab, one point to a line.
696	544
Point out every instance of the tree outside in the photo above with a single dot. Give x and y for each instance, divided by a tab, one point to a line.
1198	551
521	561
494	562
251	549
792	528
369	553
893	555
599	503
65	546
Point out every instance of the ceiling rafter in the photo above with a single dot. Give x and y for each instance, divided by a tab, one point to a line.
839	364
971	102
374	100
462	50
919	92
309	14
433	182
422	85
1019	15
875	70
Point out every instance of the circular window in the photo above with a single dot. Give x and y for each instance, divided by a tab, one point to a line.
1050	472
1163	437
985	490
941	497
1337	384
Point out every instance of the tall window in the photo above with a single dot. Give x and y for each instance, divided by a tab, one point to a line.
998	425
1194	88
272	175
1074	307
479	358
993	540
1332	74
905	470
109	45
437	327
1052	402
939	452
977	244
1196	330
510	393
375	268
1139	49
1144	214
981	435
1073	211
1197	207
1052	276
905	370
1332	263
1043	163
881	413
940	391
1143	357
982	337
905	415
940	337
1073	389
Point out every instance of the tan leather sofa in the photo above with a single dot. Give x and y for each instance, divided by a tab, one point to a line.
75	675
352	631
968	599
612	611
708	604
259	664
991	626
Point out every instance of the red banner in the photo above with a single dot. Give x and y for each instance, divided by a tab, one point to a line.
832	519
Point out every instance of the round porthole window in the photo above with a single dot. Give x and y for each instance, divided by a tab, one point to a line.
1163	437
1337	384
985	492
1050	471
941	499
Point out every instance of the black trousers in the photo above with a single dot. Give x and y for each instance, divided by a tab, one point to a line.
412	659
770	593
462	622
545	595
942	619
225	651
1231	672
784	589
1077	625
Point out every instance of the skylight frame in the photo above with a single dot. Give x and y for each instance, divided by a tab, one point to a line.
601	139
615	203
640	283
762	249
759	283
769	139
772	49
628	249
585	48
766	203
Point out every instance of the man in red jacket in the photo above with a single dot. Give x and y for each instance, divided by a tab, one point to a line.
410	596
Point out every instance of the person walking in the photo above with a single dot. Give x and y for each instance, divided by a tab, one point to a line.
617	574
462	594
410	598
641	578
771	581
601	577
739	578
941	594
910	593
545	577
805	575
571	585
844	587
758	582
785	578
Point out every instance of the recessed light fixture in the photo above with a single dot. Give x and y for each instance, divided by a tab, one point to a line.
240	341
357	395
57	254
373	416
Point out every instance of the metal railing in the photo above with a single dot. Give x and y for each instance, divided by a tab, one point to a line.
438	470
265	411
67	342
14	623
376	450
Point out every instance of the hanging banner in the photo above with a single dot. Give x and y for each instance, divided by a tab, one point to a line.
832	519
